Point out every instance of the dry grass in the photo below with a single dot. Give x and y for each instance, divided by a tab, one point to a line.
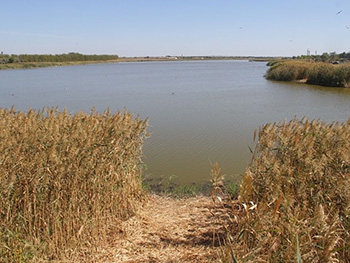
71	192
171	230
66	181
295	196
288	70
164	229
330	75
318	73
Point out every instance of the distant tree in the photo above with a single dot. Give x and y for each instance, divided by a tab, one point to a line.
13	59
333	56
72	56
325	57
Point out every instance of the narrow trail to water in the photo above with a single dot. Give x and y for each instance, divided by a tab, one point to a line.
171	230
168	230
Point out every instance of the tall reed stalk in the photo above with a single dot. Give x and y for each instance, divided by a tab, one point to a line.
65	179
317	73
295	196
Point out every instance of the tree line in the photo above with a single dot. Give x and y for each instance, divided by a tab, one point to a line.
331	57
70	57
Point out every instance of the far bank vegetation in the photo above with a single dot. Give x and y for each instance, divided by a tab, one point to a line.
47	60
4	58
318	70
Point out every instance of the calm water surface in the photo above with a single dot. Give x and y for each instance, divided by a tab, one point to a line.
200	111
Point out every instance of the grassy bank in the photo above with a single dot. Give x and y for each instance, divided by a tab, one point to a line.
25	61
66	180
294	203
317	73
32	65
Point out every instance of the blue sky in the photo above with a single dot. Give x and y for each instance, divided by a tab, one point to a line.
177	27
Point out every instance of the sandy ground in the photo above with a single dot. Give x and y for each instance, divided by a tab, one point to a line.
167	230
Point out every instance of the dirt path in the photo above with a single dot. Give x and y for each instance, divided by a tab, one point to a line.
170	230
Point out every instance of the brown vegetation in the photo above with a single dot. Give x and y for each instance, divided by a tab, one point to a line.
172	230
71	191
295	196
66	181
317	73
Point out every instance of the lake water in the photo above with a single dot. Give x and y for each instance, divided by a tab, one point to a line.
200	111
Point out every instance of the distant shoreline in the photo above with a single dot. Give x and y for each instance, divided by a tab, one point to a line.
33	65
182	58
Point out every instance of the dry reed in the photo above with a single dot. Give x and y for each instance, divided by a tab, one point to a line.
65	179
295	196
318	73
288	70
